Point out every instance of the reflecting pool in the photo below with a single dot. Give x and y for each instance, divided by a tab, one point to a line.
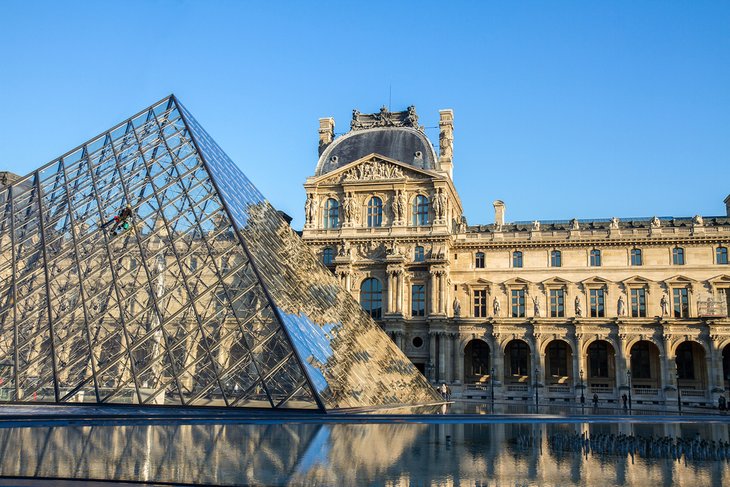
394	454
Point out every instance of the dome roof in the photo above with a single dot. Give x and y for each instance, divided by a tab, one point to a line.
403	144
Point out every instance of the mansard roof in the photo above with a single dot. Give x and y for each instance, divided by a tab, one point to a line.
395	135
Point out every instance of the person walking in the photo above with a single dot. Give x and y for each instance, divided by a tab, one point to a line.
595	400
721	404
625	399
444	390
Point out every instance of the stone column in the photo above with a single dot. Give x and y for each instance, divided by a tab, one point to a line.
400	290
579	363
432	354
623	362
432	292
391	291
716	366
458	360
668	367
442	292
442	356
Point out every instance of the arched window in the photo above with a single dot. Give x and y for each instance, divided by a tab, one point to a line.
721	255
328	256
516	258
419	255
636	257
331	213
556	258
678	256
371	297
595	258
420	210
375	212
685	361
479	260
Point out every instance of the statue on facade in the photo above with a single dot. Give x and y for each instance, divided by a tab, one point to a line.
655	223
578	308
698	221
439	204
308	209
399	206
620	306
446	142
536	306
457	308
614	223
347	207
574	225
462	224
536	226
355	123
411	118
495	306
664	304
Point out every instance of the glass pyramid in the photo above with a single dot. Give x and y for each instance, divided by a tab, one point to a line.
143	267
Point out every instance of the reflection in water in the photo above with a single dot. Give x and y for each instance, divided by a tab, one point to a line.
350	454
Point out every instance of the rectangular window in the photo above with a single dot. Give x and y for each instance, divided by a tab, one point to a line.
480	303
678	256
518	303
556	259
638	303
635	257
418	300
517	259
479	260
598	301
557	303
681	302
595	260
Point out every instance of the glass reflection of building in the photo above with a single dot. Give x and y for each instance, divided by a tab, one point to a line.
386	454
202	296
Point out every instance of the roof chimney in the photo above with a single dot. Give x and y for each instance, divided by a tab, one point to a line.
498	213
446	141
326	133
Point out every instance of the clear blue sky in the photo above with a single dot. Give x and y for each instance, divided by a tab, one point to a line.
562	109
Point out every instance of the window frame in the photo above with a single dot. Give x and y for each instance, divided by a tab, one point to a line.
375	212
556	256
370	294
517	303
419	253
421	211
637	297
479	260
479	303
417	313
721	257
517	259
597	306
678	255
328	251
557	302
636	257
594	258
680	302
331	215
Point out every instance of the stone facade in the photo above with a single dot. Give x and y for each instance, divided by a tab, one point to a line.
556	309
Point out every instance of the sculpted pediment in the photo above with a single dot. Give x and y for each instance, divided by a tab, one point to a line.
375	167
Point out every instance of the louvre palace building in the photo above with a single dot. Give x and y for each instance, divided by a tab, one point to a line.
515	310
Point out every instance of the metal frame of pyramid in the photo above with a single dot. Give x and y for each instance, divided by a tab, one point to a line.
201	295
